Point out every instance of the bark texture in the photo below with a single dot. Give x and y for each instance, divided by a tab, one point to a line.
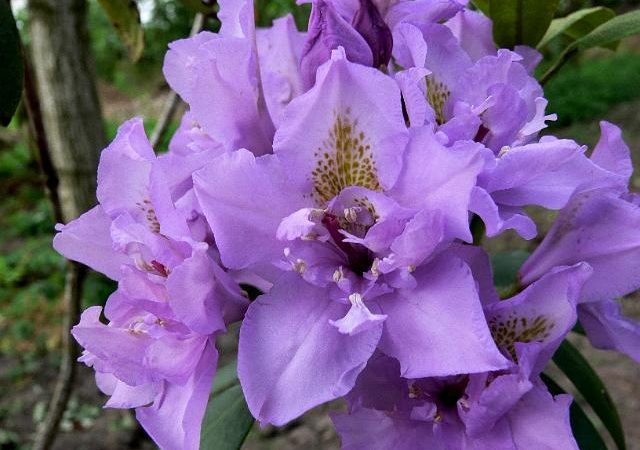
64	76
67	128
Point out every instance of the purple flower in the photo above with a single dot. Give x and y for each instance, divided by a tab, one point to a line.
599	226
370	24
237	82
498	409
157	352
328	30
356	210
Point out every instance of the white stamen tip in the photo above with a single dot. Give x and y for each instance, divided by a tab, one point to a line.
299	266
374	267
351	214
316	215
356	299
503	151
338	274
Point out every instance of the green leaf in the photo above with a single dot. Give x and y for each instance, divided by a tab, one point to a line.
577	24
608	33
227	420
124	15
583	429
11	69
517	22
506	266
619	27
201	6
226	377
482	5
591	387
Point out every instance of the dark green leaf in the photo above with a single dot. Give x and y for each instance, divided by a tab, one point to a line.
11	69
482	5
506	266
226	377
608	33
583	429
619	27
124	15
517	22
591	387
201	6
227	421
577	24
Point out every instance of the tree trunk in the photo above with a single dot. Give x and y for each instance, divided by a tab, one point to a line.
64	76
66	123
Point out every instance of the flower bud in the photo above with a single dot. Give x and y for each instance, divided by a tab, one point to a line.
328	31
369	23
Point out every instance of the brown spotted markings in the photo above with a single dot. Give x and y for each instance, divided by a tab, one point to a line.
507	332
149	215
344	159
437	96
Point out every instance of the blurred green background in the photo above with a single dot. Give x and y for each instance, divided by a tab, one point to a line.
600	84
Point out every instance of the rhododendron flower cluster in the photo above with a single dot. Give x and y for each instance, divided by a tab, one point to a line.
339	171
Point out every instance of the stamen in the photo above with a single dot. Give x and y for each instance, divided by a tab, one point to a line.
351	214
356	299
374	267
359	257
299	266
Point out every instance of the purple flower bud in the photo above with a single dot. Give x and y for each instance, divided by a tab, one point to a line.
369	23
328	31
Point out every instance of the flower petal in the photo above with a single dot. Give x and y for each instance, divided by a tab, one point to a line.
346	131
175	418
439	329
87	239
291	358
608	329
244	200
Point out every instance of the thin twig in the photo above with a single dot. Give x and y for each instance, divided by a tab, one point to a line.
39	139
173	101
560	62
75	272
66	376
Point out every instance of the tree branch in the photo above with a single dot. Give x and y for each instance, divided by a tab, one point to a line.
66	375
74	276
173	101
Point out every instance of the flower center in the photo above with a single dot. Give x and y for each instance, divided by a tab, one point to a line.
360	258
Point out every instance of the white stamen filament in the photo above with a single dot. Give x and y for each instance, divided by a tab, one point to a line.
356	299
503	151
374	267
351	214
299	266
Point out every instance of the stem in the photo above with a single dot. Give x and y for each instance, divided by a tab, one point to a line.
64	384
560	62
173	100
75	272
